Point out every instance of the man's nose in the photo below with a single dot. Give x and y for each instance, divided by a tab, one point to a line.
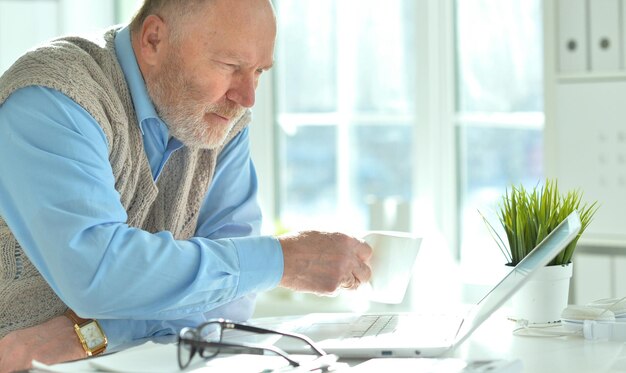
243	90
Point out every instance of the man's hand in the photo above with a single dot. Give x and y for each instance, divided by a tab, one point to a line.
54	341
322	262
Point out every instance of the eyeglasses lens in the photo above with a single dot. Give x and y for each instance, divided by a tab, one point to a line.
186	349
211	332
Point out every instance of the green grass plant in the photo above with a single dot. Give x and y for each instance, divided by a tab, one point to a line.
529	216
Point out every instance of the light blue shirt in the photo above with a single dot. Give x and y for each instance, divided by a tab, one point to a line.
58	196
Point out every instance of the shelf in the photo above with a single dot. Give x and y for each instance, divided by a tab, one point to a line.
590	77
604	245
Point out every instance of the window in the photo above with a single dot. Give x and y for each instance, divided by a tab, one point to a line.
36	21
345	94
499	127
349	86
125	9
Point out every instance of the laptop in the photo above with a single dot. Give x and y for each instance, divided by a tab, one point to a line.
422	335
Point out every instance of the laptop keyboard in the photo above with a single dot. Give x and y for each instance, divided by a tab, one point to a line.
430	325
372	325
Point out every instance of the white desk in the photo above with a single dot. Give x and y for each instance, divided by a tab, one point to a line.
494	340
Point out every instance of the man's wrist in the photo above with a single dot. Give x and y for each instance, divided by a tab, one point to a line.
89	333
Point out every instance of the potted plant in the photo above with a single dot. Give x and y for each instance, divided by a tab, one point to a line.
527	217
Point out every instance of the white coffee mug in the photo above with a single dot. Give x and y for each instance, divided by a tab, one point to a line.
392	262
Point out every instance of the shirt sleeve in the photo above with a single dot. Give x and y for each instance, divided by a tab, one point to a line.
225	212
57	194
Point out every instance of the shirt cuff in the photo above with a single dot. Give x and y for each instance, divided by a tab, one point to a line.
261	263
120	333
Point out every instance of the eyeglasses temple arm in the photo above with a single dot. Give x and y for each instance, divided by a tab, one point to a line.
250	349
302	337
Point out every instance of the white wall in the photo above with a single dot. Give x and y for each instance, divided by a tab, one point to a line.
585	132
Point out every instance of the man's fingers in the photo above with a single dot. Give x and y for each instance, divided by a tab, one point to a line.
352	283
357	277
365	252
349	283
363	272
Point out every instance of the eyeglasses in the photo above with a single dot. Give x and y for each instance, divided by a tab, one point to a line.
206	340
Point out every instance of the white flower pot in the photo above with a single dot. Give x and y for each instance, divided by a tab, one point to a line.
543	298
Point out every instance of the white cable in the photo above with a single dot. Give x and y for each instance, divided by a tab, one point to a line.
525	329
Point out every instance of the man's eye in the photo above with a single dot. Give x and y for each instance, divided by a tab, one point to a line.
228	66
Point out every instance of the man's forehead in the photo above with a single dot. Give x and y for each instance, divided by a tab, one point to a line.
214	32
235	45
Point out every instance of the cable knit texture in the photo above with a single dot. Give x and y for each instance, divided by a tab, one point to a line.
88	72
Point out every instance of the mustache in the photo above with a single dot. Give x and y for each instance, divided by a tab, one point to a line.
226	110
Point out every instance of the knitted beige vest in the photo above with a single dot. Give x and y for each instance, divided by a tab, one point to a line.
88	72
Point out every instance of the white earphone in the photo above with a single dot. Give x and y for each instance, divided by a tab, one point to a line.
604	319
601	319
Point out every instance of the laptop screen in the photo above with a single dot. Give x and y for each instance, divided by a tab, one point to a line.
540	256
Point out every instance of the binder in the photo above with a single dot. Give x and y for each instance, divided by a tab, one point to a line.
623	36
604	27
572	36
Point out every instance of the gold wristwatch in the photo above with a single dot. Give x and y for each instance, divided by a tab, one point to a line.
89	333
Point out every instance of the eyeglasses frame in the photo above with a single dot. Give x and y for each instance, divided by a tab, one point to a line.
198	345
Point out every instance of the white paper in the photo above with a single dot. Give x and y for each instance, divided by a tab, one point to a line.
392	262
162	358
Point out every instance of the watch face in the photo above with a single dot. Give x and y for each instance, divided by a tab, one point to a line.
93	335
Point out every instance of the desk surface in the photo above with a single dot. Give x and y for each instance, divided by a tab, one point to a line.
494	340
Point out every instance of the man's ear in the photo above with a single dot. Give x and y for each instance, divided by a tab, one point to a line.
153	40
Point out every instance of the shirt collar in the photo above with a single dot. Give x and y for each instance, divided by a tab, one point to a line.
144	108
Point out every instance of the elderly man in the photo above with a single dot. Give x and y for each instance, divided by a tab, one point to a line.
127	193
